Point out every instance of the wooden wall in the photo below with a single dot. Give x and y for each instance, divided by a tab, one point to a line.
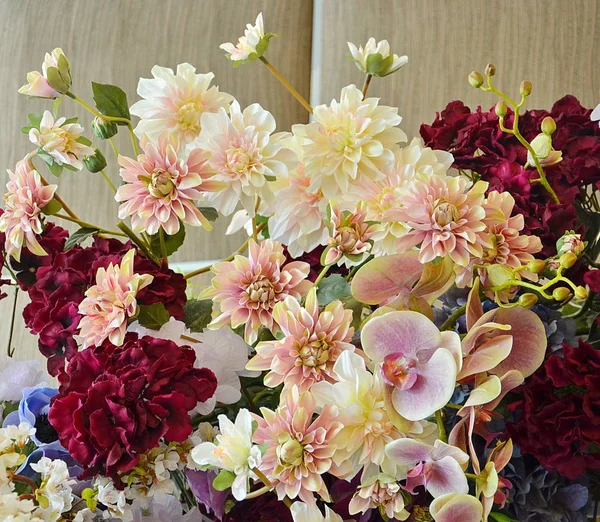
552	43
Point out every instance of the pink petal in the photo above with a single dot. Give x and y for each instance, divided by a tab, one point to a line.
408	452
456	507
487	356
446	476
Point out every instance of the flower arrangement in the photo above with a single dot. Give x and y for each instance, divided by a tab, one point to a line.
410	331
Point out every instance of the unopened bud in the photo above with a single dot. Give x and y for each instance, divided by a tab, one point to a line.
536	266
568	260
501	109
581	292
95	162
499	274
490	69
104	129
525	88
527	300
561	293
475	79
548	126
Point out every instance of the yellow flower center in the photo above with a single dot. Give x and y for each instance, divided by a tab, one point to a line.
290	453
444	213
189	116
421	514
260	292
161	183
315	353
240	161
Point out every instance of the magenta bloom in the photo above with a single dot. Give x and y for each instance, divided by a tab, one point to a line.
248	288
160	188
418	360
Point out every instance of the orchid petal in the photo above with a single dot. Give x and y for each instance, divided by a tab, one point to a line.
456	507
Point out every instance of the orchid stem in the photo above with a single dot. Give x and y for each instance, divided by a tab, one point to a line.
440	424
258	492
287	85
456	315
321	275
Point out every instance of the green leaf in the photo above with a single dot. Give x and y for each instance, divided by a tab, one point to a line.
71	120
84	140
223	480
198	313
57	81
332	288
111	101
35	119
357	307
501	517
54	167
52	208
26	129
171	242
265	230
377	65
153	316
209	213
79	236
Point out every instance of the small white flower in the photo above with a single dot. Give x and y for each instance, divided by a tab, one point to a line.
113	499
247	44
12	509
61	140
54	494
85	515
375	58
595	116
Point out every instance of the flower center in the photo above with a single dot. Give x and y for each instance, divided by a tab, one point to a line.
260	292
290	453
161	183
315	353
189	116
444	213
399	371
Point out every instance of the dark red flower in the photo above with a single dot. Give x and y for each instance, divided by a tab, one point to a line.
558	418
116	403
592	279
265	508
2	258
313	258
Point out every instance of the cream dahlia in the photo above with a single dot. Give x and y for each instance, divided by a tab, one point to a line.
160	187
248	288
244	153
111	302
247	44
37	83
298	449
311	343
349	140
174	103
24	200
63	141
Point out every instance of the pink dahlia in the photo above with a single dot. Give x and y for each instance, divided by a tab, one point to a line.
160	188
24	200
445	217
248	288
111	302
311	344
299	450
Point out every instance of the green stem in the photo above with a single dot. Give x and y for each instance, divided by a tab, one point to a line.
114	147
85	224
456	315
321	275
62	202
258	492
287	85
137	241
251	404
440	424
163	246
12	322
108	180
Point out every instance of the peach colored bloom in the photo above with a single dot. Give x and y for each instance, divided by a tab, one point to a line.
61	140
311	344
174	103
446	218
299	450
24	200
37	83
248	288
380	492
349	236
349	140
244	152
111	302
246	45
160	187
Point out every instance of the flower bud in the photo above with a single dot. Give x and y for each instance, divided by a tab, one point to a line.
568	260
501	109
561	293
95	162
376	58
536	266
525	88
548	125
527	300
490	69
475	79
581	292
570	242
104	129
499	274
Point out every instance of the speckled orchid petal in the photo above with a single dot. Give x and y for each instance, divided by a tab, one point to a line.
487	356
456	507
474	308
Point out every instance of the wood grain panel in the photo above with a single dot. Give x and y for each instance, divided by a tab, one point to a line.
552	43
118	41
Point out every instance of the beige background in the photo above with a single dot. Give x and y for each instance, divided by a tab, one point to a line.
549	42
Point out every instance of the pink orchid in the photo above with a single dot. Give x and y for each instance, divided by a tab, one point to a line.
160	188
490	486
439	468
456	507
248	288
311	344
299	450
418	360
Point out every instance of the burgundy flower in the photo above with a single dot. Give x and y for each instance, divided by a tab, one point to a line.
2	258
116	403
313	258
558	418
265	508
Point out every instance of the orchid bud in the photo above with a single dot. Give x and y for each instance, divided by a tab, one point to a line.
536	266
568	259
570	242
525	88
499	274
501	109
475	79
95	162
527	300
561	293
548	126
104	129
581	292
542	146
490	69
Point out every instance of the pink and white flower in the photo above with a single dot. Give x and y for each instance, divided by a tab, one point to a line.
63	141
445	216
244	154
24	200
37	83
247	44
299	450
111	302
311	344
456	507
418	360
348	141
363	56
248	288
161	187
380	492
302	512
174	103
